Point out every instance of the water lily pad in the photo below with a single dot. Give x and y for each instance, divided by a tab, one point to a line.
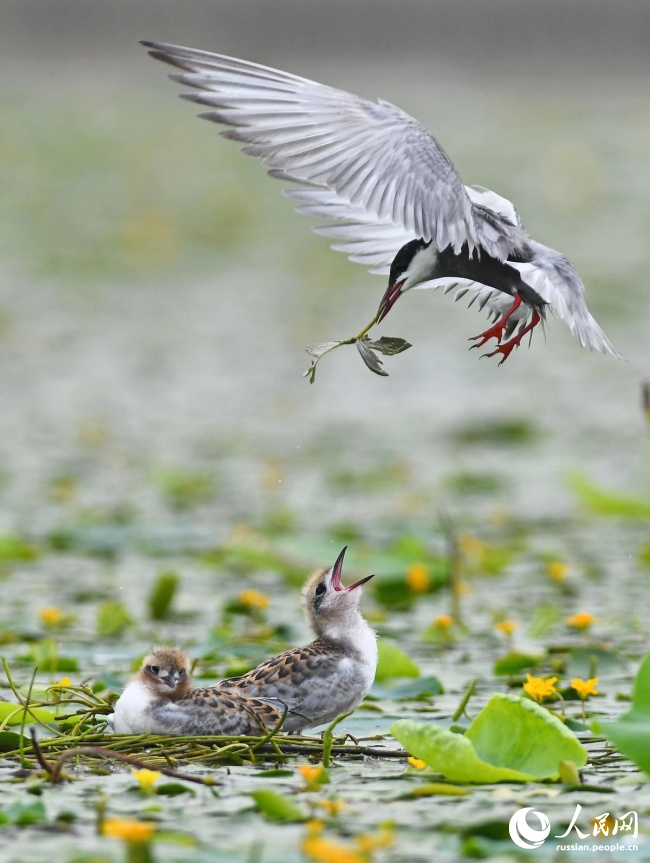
173	789
511	739
161	596
9	741
516	661
277	807
12	714
112	619
25	814
631	733
393	662
604	502
419	689
434	789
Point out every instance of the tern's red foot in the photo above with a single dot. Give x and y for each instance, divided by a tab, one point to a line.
496	331
504	349
507	347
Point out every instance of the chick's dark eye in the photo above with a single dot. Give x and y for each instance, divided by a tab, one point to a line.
182	672
154	669
320	590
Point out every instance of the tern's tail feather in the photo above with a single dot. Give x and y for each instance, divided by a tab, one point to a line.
590	335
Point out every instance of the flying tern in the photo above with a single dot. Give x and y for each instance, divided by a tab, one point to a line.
394	199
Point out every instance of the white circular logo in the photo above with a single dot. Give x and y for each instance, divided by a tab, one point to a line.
524	835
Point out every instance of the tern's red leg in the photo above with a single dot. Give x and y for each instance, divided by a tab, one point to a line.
506	348
496	331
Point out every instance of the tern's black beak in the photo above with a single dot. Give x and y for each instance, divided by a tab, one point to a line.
336	571
336	575
392	295
360	582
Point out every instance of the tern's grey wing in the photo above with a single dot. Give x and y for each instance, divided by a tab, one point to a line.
360	235
371	155
316	683
557	282
282	677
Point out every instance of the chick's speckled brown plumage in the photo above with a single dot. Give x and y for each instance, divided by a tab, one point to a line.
211	711
159	699
332	674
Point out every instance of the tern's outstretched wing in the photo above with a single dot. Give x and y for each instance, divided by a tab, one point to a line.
376	173
368	163
557	282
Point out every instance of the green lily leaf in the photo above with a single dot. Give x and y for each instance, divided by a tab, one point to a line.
112	619
515	661
277	807
433	789
12	714
15	548
162	595
25	814
173	789
511	740
419	689
9	741
394	663
604	502
631	733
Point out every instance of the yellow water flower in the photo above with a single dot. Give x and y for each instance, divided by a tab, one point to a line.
506	627
417	578
557	570
444	621
325	851
314	775
581	621
417	763
538	688
585	688
65	681
252	598
471	545
128	829
367	843
332	807
51	616
146	778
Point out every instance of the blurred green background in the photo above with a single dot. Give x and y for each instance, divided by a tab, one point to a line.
157	292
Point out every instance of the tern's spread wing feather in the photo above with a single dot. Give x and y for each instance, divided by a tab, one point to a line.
377	174
557	282
371	155
286	674
358	234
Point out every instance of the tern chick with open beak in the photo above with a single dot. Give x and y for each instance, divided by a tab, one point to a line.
330	675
